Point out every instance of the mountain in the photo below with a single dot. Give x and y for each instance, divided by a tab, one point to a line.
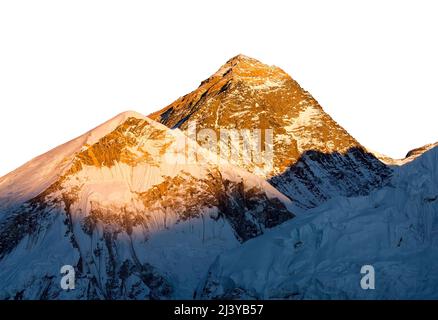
243	188
307	143
247	94
320	255
138	209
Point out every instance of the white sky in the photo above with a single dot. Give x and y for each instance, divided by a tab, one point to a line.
67	66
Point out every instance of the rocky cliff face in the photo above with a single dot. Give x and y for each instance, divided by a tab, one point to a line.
247	94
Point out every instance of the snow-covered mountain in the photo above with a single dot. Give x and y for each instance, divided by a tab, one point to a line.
319	255
143	208
130	210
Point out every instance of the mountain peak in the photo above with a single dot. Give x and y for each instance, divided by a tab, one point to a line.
248	69
239	57
248	94
242	59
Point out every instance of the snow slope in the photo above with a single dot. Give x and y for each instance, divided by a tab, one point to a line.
320	255
38	174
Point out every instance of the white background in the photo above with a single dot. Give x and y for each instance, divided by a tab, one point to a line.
67	66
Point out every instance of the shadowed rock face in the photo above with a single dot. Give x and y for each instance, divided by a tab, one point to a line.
317	177
248	210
